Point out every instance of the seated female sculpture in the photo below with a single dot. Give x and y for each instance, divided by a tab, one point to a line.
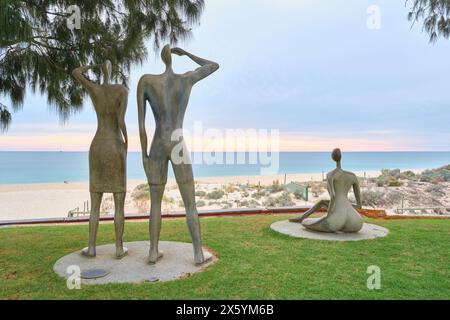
341	216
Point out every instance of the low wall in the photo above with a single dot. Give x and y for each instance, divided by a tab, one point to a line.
373	214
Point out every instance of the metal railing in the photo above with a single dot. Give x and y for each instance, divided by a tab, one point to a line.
86	211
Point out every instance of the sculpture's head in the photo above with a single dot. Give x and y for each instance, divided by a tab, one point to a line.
336	155
107	70
166	55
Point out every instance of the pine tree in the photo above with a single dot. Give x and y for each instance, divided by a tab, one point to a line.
435	15
39	49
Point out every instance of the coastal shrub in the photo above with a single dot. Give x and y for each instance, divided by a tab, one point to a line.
201	203
316	187
141	188
409	175
245	194
259	194
168	200
371	198
393	198
243	204
437	180
230	189
200	193
275	187
395	183
436	190
141	197
381	182
226	205
270	202
245	187
283	200
298	195
392	178
252	203
441	174
107	204
215	195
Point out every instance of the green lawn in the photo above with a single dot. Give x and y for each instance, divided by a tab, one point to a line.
255	262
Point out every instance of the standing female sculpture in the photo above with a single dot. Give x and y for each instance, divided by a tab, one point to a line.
108	152
341	215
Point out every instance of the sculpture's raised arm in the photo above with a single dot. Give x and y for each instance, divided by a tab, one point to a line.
357	192
206	67
141	100
79	76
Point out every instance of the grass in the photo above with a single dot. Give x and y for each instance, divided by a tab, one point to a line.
255	262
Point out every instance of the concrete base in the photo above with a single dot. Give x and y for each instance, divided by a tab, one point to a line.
177	262
369	231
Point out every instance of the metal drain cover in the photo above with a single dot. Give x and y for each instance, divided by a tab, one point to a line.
94	273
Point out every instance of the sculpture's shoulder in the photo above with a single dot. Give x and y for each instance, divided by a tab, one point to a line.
350	175
332	174
149	79
120	88
116	89
341	174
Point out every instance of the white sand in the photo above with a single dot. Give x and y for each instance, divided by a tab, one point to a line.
55	200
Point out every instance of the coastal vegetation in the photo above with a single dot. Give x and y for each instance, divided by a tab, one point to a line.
229	196
391	190
395	189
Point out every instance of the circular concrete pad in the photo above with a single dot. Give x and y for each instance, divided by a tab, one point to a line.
178	262
369	231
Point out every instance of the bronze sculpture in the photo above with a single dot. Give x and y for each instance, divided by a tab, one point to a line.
107	153
168	95
341	215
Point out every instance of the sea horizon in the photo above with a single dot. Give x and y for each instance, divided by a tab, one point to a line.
28	167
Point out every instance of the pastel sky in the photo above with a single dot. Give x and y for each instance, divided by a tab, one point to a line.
311	69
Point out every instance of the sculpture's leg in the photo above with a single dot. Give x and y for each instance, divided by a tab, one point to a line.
119	223
96	200
156	194
320	205
187	191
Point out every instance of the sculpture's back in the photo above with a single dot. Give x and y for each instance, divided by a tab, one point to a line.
341	214
107	153
108	150
348	218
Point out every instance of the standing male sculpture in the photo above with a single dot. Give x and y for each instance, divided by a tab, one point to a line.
341	215
168	95
108	152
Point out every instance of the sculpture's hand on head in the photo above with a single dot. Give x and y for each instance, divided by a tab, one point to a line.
206	67
78	74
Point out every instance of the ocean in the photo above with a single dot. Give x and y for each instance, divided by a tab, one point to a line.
46	167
